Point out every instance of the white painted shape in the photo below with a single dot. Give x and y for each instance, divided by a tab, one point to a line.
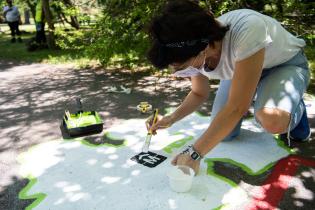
255	149
253	141
101	188
128	185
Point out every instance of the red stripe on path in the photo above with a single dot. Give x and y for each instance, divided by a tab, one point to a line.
269	195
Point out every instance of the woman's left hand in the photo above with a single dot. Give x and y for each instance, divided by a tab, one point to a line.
185	159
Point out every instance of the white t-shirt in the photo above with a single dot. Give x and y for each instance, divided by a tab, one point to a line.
249	32
12	15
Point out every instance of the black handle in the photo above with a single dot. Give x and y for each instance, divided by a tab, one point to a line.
79	105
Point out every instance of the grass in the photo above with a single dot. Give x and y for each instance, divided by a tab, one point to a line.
17	52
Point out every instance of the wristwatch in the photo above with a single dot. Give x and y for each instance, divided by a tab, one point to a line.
192	152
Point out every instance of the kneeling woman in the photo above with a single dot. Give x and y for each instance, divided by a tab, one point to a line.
251	54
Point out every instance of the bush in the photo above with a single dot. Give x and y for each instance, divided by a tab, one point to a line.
119	34
71	39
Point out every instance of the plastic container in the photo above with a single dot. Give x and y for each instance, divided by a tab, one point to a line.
181	178
83	122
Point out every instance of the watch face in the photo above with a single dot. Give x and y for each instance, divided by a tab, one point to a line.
194	155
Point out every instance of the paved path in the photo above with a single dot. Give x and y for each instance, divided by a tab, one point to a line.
34	96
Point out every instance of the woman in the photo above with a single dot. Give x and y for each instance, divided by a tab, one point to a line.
251	54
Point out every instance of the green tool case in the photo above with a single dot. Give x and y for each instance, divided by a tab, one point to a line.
82	122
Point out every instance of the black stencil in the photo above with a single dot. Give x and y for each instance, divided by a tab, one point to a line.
149	159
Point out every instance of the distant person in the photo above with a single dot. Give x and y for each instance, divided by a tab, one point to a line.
40	24
39	41
13	18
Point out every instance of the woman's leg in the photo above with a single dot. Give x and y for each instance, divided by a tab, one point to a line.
219	101
279	106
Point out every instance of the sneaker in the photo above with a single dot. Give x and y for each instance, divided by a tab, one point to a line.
302	132
13	40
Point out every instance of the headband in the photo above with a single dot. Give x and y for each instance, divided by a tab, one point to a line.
188	43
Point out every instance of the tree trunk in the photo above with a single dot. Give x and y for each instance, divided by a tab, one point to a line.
279	4
51	28
32	7
26	16
74	20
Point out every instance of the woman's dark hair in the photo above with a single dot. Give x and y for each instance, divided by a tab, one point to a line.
181	31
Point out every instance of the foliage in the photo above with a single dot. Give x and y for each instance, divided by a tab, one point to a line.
70	39
120	32
17	53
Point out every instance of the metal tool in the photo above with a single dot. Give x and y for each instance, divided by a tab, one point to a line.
146	145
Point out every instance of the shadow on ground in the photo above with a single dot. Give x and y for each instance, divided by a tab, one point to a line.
34	97
9	195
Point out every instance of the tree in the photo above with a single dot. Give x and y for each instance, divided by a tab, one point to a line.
51	28
67	12
32	6
73	18
120	31
27	16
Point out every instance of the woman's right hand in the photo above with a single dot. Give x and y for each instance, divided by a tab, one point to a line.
162	122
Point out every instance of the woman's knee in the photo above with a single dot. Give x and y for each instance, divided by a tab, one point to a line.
273	120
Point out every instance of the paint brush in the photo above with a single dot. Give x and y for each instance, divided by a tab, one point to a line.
68	114
146	145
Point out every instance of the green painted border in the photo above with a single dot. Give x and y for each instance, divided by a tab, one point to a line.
39	197
177	144
247	169
219	207
107	135
210	171
240	165
281	144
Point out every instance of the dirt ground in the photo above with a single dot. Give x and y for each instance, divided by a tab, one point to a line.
33	98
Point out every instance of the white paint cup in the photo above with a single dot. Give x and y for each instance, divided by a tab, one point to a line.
181	178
